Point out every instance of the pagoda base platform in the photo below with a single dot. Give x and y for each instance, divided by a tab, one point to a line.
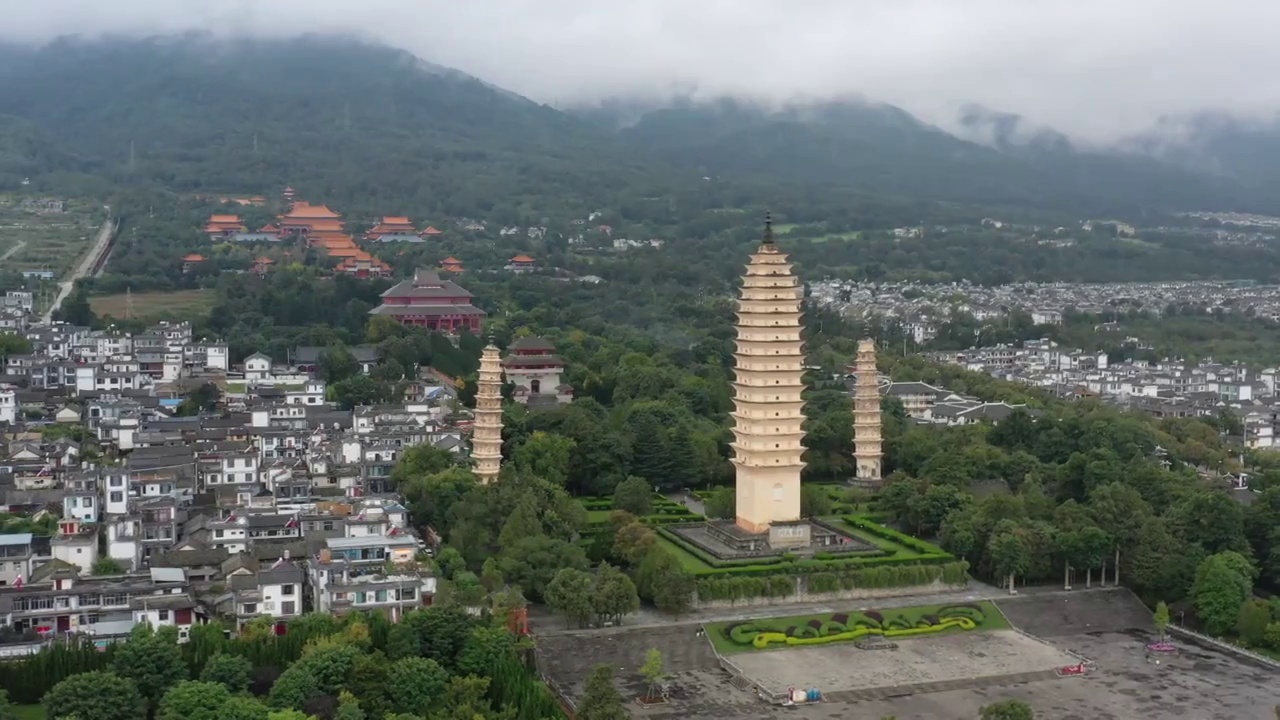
726	540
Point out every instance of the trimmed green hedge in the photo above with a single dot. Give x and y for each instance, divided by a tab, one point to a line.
738	586
880	531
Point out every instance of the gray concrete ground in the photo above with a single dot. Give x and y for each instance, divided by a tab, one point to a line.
1109	627
844	667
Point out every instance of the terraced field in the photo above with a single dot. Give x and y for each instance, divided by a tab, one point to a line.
45	233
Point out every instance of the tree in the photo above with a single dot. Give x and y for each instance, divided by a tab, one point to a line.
193	699
814	501
613	595
441	632
152	660
569	593
634	496
487	648
1008	710
98	695
241	707
721	504
652	672
673	591
522	524
1252	621
1010	555
546	455
337	364
230	671
107	566
416	685
6	708
534	561
420	461
1161	618
633	542
1223	582
600	699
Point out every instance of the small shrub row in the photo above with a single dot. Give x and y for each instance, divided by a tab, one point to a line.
914	543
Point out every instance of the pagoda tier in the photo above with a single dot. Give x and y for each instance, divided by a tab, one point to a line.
486	438
768	414
867	454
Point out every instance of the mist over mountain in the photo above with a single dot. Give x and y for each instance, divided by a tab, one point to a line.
354	121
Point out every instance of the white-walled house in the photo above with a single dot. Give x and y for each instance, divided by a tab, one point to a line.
257	367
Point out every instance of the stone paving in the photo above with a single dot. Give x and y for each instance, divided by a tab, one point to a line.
917	661
1109	627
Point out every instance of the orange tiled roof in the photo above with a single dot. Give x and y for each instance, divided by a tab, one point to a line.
193	257
451	260
432	231
522	259
305	210
234	219
264	260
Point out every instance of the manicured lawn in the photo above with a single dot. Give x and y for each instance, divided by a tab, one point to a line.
176	304
29	712
892	623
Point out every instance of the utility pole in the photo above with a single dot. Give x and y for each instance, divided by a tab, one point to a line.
132	155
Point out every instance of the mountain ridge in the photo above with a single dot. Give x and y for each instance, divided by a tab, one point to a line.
194	112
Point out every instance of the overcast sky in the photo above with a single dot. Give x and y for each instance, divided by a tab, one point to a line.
1096	69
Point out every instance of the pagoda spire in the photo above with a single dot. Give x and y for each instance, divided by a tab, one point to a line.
768	228
768	413
486	436
867	452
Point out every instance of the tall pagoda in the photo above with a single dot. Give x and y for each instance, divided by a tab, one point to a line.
486	438
768	408
866	414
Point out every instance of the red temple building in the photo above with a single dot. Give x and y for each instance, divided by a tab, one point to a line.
358	263
427	301
522	264
432	232
391	225
263	265
224	225
451	264
305	219
190	262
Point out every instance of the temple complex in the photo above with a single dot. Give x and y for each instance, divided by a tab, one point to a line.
534	368
486	437
866	415
428	301
768	410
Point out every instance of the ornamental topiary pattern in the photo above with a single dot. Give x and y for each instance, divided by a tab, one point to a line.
841	627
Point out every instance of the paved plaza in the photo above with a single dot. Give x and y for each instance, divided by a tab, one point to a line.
844	667
1109	627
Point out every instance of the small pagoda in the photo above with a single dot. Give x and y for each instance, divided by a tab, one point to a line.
534	368
486	437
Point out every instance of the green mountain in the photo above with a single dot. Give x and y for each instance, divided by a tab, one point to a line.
374	129
356	124
880	148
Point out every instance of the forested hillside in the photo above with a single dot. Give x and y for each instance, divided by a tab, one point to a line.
368	127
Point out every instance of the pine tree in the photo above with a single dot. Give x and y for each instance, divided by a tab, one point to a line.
600	699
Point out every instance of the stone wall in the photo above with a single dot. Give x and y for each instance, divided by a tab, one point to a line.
801	595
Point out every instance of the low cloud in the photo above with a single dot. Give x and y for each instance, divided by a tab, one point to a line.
1095	70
